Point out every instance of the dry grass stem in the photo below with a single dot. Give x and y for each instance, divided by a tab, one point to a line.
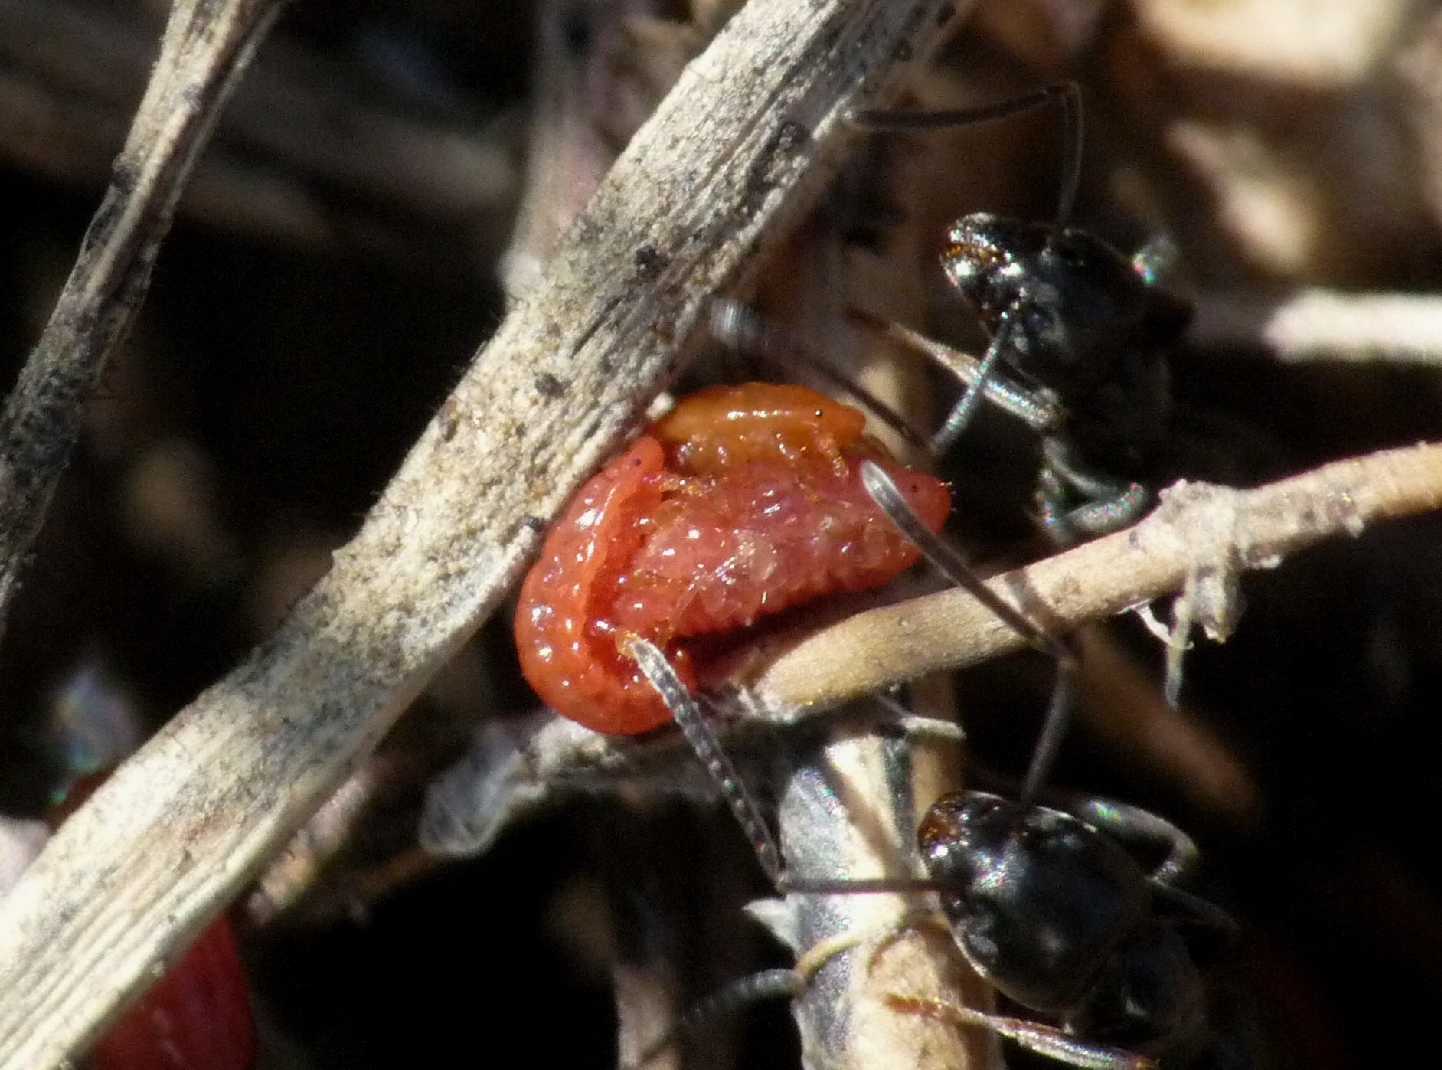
1325	325
727	163
205	49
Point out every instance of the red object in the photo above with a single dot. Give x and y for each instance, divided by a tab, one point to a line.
196	1017
743	502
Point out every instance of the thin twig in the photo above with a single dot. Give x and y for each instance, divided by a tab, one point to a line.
849	810
1325	325
205	49
729	161
1214	530
1218	531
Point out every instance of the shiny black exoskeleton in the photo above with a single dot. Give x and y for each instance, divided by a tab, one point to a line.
1082	335
1078	337
1061	919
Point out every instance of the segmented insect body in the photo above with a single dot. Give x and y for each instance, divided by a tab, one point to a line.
742	502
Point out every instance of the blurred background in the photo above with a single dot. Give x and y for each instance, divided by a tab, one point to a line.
388	173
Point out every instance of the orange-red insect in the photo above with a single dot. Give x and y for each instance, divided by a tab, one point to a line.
196	1017
742	502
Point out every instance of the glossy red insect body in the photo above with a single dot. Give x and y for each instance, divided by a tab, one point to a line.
196	1017
744	501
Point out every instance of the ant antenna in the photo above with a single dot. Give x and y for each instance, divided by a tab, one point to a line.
1066	94
962	412
954	567
687	713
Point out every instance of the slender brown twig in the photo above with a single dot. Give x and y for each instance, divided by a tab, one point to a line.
1212	531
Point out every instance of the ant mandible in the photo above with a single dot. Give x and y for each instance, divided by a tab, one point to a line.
1078	336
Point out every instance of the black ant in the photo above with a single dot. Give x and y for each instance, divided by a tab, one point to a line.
1078	334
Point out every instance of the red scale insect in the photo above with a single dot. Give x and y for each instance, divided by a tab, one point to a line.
744	501
196	1017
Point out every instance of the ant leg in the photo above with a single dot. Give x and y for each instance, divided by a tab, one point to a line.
1066	94
708	750
1127	822
955	568
1036	408
1071	474
962	412
1066	527
1044	1040
1132	823
1108	506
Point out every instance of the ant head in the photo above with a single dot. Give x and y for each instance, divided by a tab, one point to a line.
961	829
1070	300
1038	901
